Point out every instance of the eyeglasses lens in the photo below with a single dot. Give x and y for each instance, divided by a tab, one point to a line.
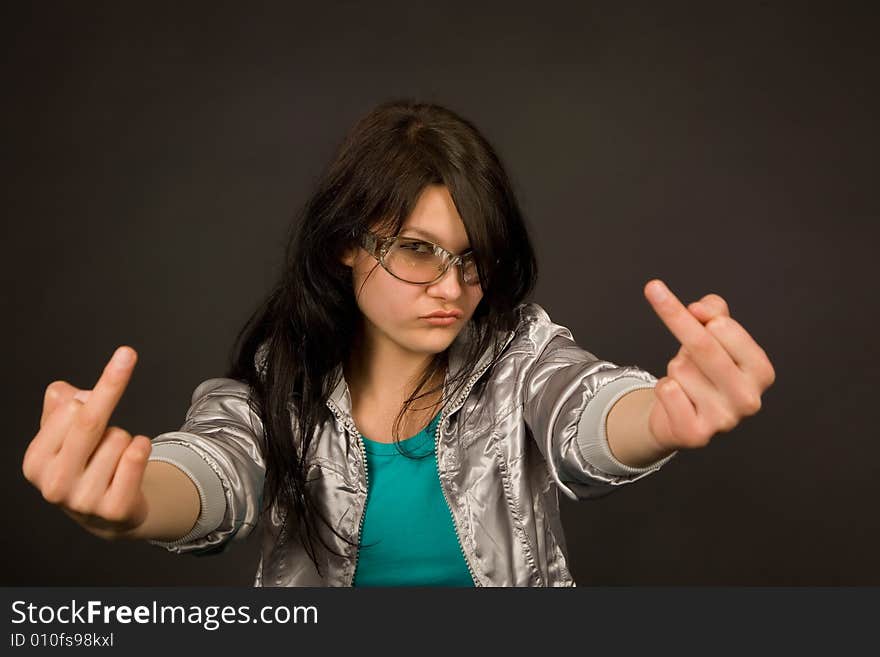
415	261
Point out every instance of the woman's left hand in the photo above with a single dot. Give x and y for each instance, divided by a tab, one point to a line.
716	378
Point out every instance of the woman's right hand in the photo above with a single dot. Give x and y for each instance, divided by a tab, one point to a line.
92	471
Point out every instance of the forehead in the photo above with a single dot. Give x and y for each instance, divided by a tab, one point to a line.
421	232
435	218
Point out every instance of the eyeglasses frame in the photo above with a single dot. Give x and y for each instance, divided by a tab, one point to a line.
378	246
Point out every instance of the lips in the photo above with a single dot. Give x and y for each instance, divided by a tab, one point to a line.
441	321
442	314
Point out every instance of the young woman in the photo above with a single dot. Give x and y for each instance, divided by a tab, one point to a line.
396	413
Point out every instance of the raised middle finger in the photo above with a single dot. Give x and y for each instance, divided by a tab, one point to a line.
90	422
705	351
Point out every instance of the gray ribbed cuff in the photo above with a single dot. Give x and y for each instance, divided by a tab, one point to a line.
592	437
208	484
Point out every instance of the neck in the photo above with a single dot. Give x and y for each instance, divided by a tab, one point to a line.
381	372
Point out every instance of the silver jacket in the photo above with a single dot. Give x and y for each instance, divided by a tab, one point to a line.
536	427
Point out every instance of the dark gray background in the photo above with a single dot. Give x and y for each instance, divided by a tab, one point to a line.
154	154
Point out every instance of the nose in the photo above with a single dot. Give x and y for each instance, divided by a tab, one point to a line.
448	286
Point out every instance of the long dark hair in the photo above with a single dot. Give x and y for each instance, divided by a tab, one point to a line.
289	349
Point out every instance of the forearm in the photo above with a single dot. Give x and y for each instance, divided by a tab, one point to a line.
629	436
173	503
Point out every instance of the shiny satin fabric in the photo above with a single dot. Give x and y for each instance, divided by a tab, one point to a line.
506	447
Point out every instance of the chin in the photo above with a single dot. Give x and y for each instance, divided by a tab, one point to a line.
437	339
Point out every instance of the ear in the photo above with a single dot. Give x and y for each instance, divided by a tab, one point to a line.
348	256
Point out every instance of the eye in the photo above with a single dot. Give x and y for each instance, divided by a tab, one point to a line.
416	246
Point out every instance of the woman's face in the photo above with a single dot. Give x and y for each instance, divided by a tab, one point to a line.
394	309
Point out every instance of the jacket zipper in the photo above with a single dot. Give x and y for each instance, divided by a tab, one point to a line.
357	549
455	406
448	507
354	430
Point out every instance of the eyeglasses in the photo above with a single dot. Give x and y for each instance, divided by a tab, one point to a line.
417	261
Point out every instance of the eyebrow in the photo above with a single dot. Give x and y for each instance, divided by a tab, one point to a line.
428	235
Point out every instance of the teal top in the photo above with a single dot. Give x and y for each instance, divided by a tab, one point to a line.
408	538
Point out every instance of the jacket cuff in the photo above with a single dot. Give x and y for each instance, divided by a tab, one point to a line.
208	484
592	437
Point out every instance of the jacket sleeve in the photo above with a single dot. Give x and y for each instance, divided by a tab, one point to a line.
567	394
219	449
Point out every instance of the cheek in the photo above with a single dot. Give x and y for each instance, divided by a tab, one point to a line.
475	297
383	298
398	303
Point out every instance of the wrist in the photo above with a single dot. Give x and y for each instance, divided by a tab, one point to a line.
630	437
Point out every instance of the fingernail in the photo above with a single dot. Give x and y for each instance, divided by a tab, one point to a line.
82	395
122	357
656	291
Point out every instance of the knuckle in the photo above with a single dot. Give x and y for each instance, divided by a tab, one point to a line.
135	453
751	404
686	432
726	422
117	438
82	503
694	439
701	434
702	438
87	420
717	301
54	490
119	434
144	440
30	465
114	512
121	448
54	389
718	324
